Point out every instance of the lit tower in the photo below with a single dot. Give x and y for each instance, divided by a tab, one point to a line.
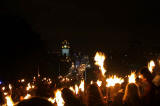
65	48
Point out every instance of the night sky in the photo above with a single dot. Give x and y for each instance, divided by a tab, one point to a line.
32	27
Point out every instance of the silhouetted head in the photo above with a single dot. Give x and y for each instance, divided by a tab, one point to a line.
69	98
94	96
146	73
132	94
117	87
36	101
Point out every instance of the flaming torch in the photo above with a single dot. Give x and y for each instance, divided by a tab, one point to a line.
151	66
99	83
59	99
72	89
52	100
81	86
113	80
99	61
27	96
9	101
132	77
111	83
76	89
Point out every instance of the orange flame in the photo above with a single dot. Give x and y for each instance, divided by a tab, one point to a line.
5	93
72	89
99	83
99	60
9	101
91	82
58	98
132	77
10	86
151	66
3	88
52	100
81	86
114	80
28	87
76	89
27	96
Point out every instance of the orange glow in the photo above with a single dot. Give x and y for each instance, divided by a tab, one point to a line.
3	88
81	86
76	89
10	86
52	100
72	89
27	96
99	60
151	66
58	98
9	101
22	80
91	82
99	83
5	93
114	80
132	78
28	87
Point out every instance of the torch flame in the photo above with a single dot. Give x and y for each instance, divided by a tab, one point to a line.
99	83
52	100
3	88
76	89
27	96
58	98
99	60
81	86
5	93
9	101
151	66
10	86
22	80
91	82
132	78
28	87
72	89
114	80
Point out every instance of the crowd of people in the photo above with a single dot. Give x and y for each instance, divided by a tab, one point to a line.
144	92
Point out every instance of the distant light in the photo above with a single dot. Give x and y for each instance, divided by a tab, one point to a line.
0	82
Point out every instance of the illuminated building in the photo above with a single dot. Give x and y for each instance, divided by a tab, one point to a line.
65	48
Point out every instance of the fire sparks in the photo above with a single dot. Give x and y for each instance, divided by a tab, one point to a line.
27	96
99	83
99	60
114	80
9	101
58	98
151	66
132	78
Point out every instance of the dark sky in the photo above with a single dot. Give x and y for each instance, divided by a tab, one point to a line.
31	27
109	23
